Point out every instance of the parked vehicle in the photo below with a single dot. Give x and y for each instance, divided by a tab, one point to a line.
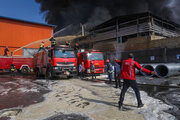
55	61
23	64
97	59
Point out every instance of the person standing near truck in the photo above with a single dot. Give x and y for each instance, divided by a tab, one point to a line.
76	48
92	69
81	70
12	69
117	69
128	75
110	71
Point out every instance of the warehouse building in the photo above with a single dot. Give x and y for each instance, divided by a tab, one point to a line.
16	33
149	37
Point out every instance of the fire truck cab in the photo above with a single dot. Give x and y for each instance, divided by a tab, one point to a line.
55	61
97	59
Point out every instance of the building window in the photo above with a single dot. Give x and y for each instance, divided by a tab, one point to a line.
178	56
152	58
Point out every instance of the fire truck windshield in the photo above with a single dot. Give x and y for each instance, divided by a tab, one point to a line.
64	54
94	56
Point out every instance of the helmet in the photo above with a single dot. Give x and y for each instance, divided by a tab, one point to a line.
107	60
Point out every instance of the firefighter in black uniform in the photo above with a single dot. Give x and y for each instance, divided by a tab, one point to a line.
67	44
76	48
53	42
5	51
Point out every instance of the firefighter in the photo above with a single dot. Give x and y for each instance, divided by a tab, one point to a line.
5	51
67	44
110	71
53	42
128	75
117	69
41	46
81	70
92	68
76	48
12	69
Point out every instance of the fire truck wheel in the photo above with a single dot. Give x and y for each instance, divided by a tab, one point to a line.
25	70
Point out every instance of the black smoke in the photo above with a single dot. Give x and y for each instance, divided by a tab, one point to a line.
92	12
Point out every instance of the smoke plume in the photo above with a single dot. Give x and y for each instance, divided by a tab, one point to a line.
92	12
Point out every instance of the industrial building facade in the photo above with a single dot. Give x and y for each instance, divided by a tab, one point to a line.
135	33
18	33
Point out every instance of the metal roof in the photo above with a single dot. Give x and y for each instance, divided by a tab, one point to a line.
27	21
125	18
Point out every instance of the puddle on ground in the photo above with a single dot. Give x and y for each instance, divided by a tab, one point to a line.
19	91
69	117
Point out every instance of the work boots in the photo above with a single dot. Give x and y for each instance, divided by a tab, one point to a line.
140	105
120	106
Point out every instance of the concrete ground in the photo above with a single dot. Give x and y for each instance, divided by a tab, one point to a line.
76	99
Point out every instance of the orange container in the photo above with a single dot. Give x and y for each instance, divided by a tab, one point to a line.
16	33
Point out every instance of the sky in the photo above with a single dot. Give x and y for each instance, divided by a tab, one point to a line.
27	10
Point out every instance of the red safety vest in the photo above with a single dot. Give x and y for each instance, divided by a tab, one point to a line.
128	69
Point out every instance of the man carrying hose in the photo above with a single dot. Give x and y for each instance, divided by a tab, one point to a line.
41	46
128	75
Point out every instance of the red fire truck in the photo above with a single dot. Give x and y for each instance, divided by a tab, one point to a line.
55	61
97	59
22	63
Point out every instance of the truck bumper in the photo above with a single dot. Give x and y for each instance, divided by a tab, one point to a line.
64	71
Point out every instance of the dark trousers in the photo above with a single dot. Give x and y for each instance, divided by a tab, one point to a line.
93	75
41	48
5	54
110	75
81	74
117	80
133	84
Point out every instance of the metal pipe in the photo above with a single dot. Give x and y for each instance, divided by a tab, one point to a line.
150	67
166	70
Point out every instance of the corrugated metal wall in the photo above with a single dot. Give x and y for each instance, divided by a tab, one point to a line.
15	34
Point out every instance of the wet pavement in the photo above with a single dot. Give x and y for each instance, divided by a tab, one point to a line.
167	90
19	91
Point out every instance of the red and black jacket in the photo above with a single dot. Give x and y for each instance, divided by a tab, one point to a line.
128	69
